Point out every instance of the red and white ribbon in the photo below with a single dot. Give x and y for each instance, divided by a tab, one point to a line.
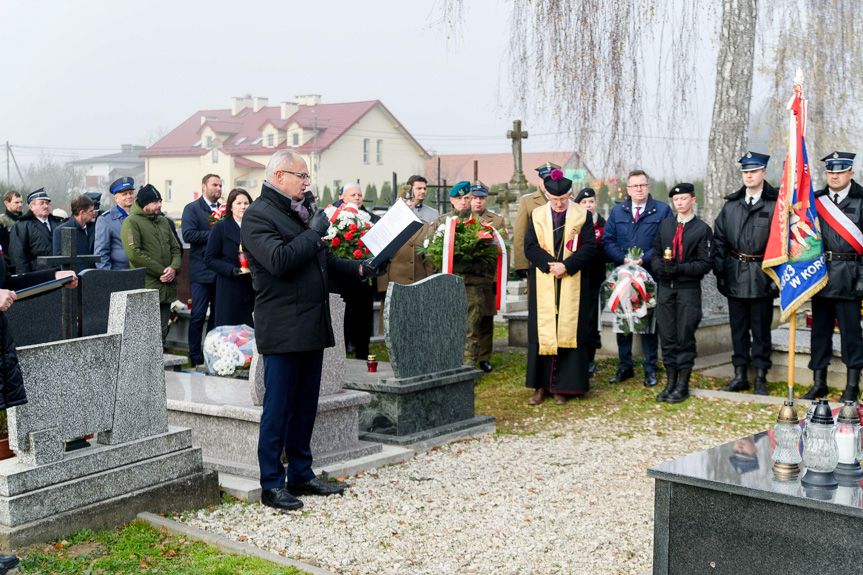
626	279
448	245
502	268
842	224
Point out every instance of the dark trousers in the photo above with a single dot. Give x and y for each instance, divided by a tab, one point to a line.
203	296
164	316
292	383
678	313
750	329
825	312
359	314
650	346
594	340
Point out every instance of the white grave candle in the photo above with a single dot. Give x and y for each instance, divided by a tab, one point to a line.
846	443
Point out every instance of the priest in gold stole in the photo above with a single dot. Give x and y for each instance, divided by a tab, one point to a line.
560	245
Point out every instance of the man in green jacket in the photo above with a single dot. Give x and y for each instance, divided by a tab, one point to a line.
149	242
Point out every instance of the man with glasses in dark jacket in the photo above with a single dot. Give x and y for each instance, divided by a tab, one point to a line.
291	265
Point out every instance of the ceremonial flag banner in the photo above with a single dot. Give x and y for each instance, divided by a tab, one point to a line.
794	257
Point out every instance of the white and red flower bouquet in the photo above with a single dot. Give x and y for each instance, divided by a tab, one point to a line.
348	225
228	347
629	294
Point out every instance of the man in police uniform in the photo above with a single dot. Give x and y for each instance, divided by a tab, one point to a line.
526	204
481	305
740	237
840	209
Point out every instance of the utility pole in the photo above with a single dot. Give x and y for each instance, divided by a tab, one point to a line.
9	153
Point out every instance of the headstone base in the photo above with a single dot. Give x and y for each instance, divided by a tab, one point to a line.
416	410
225	422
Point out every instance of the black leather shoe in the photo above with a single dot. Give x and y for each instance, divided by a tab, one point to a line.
485	366
670	383
649	379
8	562
280	499
760	382
740	381
622	375
591	369
819	385
681	391
314	487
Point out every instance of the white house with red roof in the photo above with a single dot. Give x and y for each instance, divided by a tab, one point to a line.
355	141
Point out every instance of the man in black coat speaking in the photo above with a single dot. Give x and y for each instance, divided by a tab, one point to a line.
291	265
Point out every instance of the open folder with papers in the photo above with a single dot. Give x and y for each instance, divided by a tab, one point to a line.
391	232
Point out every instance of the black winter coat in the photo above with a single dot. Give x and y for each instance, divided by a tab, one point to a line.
842	275
196	232
597	270
235	296
12	391
696	261
744	230
291	266
85	240
31	239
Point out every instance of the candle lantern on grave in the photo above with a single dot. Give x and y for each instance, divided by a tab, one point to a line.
849	443
786	454
243	261
819	449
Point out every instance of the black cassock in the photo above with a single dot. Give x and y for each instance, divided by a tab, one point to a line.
565	372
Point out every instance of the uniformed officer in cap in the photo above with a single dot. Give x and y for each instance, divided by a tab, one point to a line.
840	299
740	235
97	204
526	204
109	244
33	234
481	306
586	198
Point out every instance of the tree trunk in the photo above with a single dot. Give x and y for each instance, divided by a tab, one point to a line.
728	131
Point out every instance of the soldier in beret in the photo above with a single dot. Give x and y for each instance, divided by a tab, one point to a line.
841	218
740	235
681	257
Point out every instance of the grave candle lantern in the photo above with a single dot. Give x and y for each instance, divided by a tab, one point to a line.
819	449
243	261
848	442
372	363
786	454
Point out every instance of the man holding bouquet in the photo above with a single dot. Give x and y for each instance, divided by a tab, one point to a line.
560	245
633	224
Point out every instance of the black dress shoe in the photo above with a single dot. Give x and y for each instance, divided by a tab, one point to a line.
8	561
314	487
591	369
279	498
485	366
622	375
649	379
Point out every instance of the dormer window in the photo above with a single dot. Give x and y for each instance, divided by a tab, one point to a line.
209	141
296	139
271	140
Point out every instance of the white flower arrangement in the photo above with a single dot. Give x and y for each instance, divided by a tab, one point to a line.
228	347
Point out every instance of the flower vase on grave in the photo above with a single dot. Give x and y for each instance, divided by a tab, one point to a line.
819	449
848	438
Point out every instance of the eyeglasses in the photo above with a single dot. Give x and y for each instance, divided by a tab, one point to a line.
638	187
300	175
559	200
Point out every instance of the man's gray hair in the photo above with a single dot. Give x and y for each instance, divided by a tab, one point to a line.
350	185
279	160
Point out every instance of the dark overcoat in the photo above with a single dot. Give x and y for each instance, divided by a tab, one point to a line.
842	274
196	231
235	296
86	241
743	229
31	239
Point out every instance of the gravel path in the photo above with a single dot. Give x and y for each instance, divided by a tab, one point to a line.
573	501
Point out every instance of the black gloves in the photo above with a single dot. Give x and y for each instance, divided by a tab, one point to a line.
774	290
235	273
521	273
371	271
858	288
669	268
320	223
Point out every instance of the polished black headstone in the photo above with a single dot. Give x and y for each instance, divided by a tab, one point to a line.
96	288
37	319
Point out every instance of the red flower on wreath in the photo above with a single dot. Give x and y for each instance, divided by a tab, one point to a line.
358	254
361	244
470	221
353	227
486	225
368	225
366	251
349	236
336	241
484	235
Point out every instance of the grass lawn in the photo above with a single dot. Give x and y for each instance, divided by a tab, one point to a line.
139	548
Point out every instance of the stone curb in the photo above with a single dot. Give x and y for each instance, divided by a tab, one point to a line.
751	398
226	544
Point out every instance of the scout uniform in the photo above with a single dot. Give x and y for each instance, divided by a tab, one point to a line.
681	258
597	276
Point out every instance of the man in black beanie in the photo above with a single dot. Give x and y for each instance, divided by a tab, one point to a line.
149	241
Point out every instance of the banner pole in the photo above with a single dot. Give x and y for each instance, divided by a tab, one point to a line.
792	336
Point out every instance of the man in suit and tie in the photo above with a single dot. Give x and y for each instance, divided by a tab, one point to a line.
196	226
32	234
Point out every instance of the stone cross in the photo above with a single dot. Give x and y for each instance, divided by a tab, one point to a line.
69	260
518	183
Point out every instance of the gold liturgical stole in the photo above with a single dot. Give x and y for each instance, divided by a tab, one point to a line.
557	329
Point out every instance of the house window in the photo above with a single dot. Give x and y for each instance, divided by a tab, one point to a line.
270	140
169	190
380	154
296	139
366	151
215	155
247	184
209	141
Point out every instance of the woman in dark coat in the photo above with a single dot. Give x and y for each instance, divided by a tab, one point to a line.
560	245
586	198
235	297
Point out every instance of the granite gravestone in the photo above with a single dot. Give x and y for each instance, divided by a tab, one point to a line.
105	385
430	399
96	287
37	319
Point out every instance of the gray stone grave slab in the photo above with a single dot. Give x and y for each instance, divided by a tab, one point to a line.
104	385
429	393
96	287
36	320
717	511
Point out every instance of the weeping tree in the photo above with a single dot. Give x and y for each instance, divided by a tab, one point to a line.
593	64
